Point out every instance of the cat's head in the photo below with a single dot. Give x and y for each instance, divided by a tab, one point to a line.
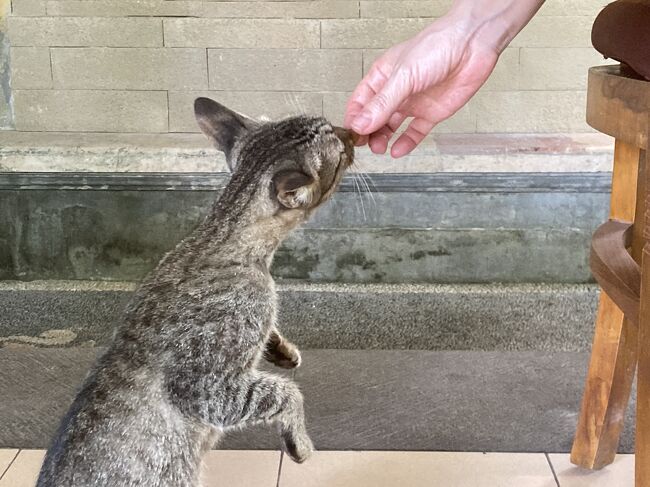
296	163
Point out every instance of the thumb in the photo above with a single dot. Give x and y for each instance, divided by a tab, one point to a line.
382	105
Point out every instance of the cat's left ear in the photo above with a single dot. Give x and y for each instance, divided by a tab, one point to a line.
295	189
221	125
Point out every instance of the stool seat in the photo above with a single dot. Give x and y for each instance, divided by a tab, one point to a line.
618	104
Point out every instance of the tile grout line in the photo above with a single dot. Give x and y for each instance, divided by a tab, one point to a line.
2	474
294	372
277	482
550	464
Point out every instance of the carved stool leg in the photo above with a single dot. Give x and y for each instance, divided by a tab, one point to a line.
642	460
614	350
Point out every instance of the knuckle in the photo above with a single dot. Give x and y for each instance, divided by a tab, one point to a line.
382	101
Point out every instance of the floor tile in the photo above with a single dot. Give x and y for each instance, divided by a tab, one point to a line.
618	474
232	468
6	457
240	468
418	469
24	471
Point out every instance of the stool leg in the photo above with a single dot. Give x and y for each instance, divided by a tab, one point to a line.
614	350
642	449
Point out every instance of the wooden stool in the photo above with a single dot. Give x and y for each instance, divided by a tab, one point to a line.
618	104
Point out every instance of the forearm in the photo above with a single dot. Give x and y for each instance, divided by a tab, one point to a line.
494	22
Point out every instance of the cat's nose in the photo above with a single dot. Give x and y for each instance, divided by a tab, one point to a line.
347	136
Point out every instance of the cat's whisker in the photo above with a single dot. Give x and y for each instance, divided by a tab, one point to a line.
303	110
365	178
291	100
356	183
288	100
296	103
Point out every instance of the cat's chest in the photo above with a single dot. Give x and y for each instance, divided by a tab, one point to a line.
253	301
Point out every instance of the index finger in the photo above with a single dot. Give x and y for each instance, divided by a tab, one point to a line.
366	90
359	98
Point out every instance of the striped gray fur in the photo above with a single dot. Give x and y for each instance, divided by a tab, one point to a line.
183	366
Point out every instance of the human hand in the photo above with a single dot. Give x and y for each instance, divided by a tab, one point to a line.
431	76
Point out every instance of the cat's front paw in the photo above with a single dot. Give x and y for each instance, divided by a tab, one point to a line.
299	448
284	354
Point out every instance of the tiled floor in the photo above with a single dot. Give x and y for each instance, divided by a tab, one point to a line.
371	469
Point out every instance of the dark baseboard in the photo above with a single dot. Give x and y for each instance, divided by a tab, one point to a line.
453	228
598	182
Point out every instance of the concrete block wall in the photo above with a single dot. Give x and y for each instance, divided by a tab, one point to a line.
136	65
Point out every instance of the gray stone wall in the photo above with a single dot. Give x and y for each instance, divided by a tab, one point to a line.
6	113
135	66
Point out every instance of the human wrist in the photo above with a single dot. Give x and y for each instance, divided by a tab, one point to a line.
492	23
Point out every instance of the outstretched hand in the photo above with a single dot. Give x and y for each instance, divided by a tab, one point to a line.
429	78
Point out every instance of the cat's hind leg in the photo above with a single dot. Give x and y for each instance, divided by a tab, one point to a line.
273	399
281	352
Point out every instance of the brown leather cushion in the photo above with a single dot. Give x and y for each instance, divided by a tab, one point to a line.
622	32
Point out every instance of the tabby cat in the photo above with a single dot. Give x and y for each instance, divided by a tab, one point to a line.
183	366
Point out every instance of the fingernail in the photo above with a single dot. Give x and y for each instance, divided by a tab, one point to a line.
361	123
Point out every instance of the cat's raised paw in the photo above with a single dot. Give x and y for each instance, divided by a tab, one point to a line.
299	448
284	354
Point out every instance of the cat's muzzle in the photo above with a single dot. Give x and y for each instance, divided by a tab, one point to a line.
349	139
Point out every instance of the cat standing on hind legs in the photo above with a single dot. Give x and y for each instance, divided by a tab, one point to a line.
182	367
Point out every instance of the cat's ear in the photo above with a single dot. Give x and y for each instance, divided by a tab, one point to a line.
295	189
221	125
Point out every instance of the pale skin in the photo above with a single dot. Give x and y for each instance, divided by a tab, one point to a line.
430	77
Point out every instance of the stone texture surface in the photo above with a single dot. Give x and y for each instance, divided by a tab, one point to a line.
27	378
6	109
506	74
312	9
183	152
552	68
452	401
419	229
540	78
85	31
91	110
270	104
334	107
572	7
556	31
425	317
284	70
547	111
28	8
456	255
458	401
123	8
241	33
345	255
30	68
403	9
368	33
129	69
